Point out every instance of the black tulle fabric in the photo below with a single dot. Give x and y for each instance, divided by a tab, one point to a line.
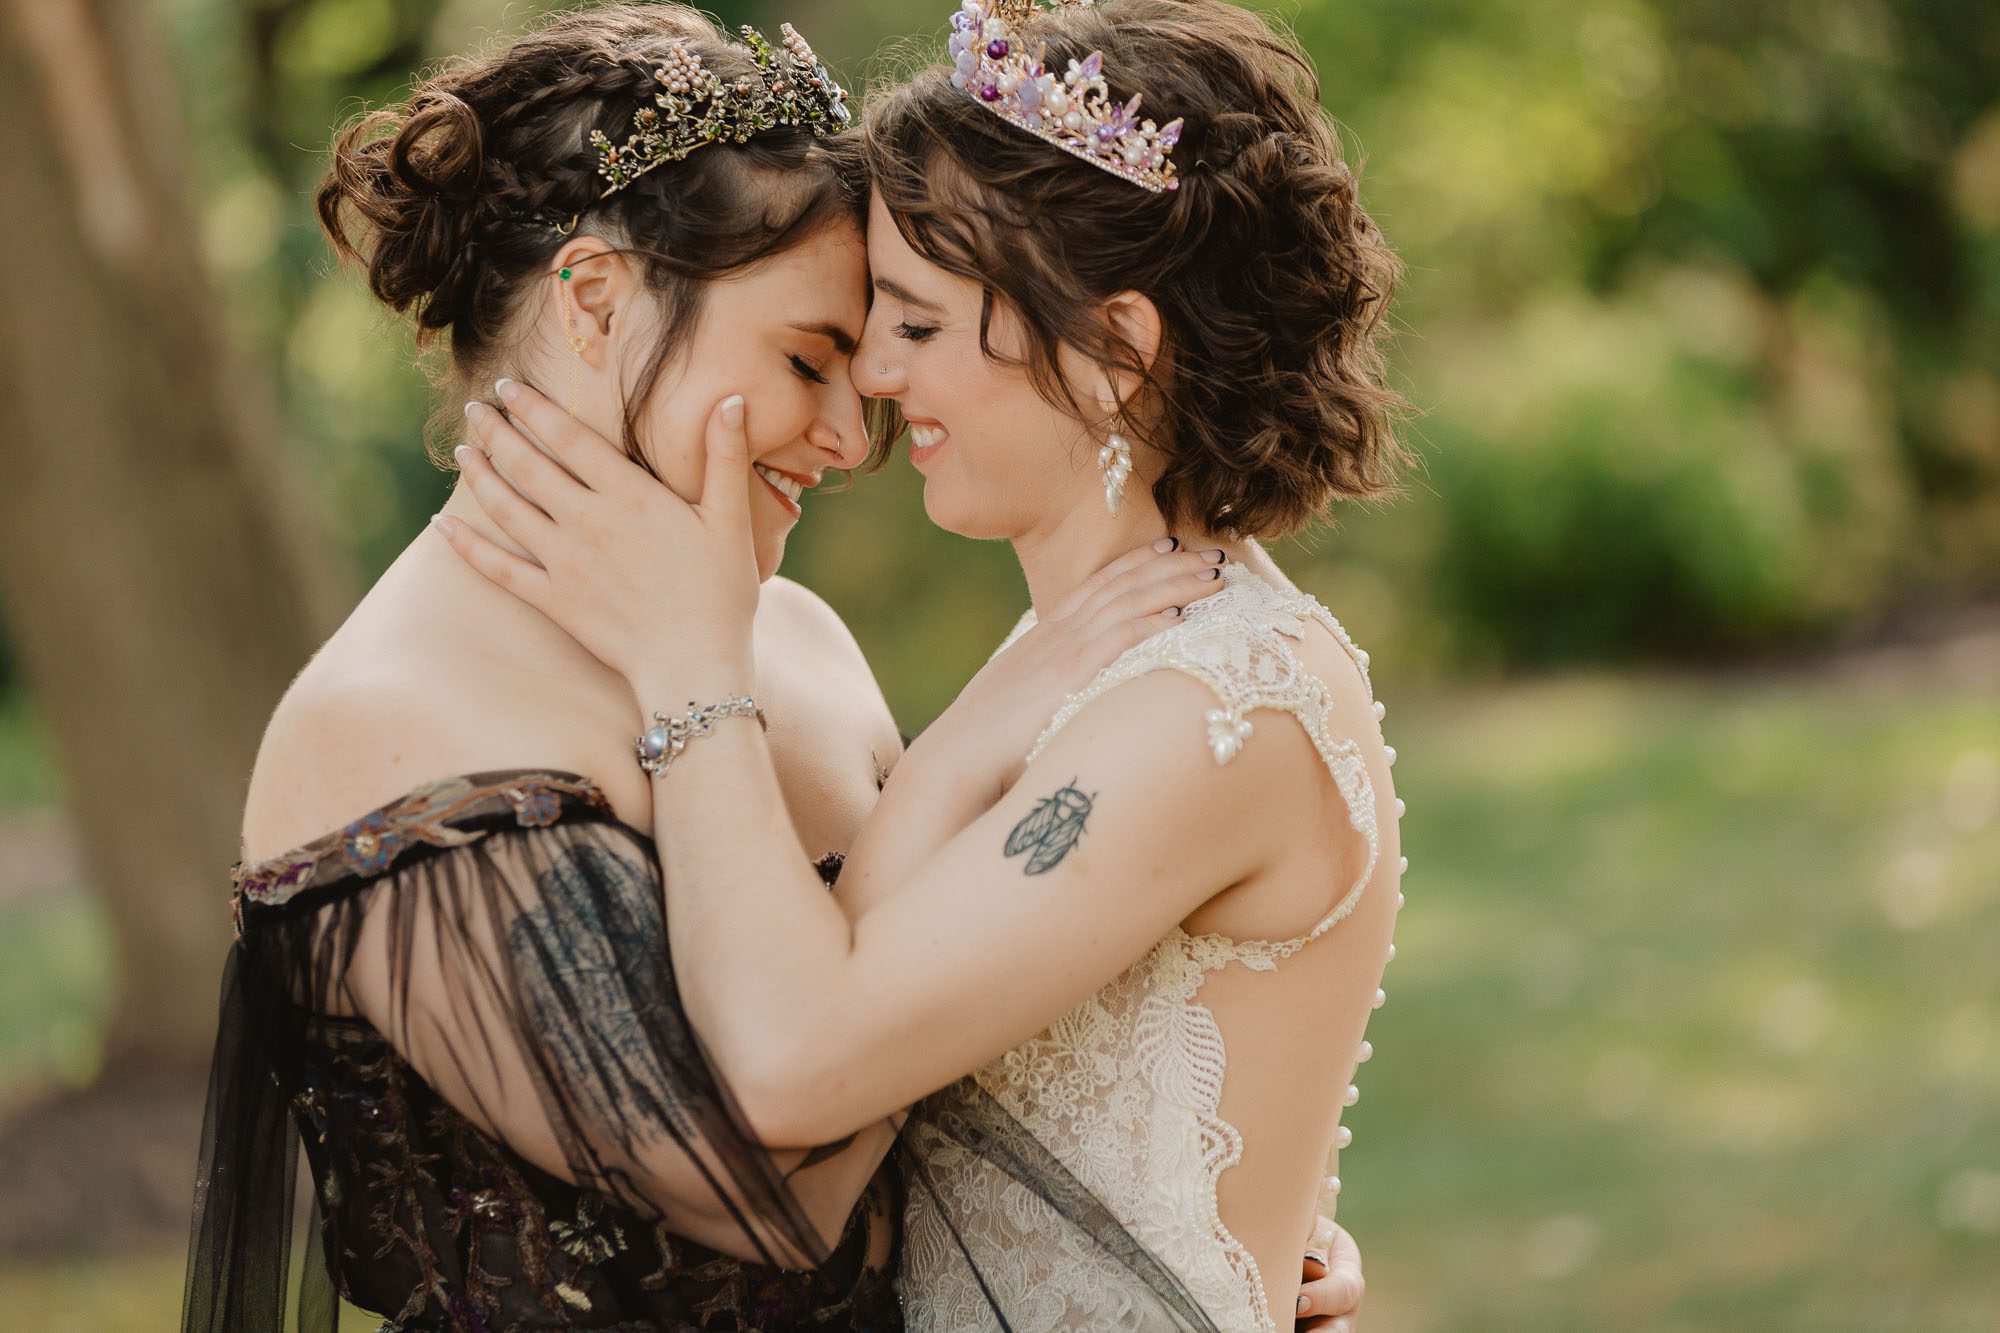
462	1007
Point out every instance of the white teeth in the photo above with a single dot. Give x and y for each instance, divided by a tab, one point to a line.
924	437
791	489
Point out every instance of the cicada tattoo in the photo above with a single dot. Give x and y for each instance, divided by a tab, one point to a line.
1051	829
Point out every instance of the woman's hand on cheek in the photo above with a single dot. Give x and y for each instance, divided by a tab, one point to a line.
657	588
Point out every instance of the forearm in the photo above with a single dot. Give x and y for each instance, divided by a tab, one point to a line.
756	939
821	1025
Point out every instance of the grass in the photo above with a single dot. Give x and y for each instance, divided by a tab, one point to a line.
1693	1024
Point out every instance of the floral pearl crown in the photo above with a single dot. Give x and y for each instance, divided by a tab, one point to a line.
1074	111
695	107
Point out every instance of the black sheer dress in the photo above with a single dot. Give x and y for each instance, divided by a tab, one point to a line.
462	1006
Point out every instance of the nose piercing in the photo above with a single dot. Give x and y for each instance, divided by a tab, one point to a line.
882	370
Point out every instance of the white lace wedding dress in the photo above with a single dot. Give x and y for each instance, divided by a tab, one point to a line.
1124	1090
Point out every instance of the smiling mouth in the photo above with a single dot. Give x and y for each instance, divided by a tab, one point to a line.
924	437
790	487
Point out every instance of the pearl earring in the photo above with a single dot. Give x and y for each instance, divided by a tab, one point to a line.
1114	459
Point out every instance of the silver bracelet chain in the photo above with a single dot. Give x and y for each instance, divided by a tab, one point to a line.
663	742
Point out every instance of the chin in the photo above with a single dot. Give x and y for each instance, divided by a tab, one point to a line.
976	521
770	554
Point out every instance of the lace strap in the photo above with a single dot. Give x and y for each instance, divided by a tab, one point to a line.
1238	643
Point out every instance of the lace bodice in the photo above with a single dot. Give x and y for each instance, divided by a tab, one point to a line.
1125	1089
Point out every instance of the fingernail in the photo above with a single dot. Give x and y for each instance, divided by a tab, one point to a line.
474	408
440	522
1303	1302
469	406
1166	544
458	454
1173	611
1211	574
507	389
732	410
1214	557
1317	1258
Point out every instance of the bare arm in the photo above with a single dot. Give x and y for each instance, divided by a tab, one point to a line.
822	1024
1040	901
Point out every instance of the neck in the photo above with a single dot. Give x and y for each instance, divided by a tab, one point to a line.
1059	555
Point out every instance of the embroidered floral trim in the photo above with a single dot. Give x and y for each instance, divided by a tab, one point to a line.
426	816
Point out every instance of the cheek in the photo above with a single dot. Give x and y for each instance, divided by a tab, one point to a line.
671	434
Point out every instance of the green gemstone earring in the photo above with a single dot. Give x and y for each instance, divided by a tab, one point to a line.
577	342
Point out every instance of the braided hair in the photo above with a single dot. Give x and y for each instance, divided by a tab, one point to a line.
455	200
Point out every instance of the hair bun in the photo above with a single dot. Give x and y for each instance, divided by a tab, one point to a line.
414	177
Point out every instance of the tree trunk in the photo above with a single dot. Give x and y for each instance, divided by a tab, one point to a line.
161	578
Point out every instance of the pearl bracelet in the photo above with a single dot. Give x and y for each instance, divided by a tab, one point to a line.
663	742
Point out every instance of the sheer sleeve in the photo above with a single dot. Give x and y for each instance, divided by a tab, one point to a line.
507	937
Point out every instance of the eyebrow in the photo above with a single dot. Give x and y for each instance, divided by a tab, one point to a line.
908	297
842	340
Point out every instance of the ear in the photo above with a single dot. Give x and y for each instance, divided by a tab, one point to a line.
600	288
1135	321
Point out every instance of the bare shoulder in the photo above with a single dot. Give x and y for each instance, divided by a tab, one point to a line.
805	617
1156	733
798	631
352	735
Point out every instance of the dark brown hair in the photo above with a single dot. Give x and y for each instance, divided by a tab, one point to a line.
453	199
1268	398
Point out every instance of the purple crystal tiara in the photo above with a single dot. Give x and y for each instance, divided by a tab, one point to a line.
1074	111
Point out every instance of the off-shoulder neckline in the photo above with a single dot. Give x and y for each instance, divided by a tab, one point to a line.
427	815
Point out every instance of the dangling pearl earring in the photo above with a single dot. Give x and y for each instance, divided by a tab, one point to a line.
577	342
1114	459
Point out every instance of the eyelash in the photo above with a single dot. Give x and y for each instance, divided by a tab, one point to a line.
805	369
916	333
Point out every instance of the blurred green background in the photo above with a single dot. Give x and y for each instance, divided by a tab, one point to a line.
1689	627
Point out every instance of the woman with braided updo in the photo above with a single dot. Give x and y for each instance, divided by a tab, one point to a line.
1124	290
451	983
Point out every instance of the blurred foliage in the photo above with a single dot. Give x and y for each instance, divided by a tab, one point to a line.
1700	316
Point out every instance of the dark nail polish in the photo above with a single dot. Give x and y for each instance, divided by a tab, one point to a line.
1176	544
1215	557
1211	574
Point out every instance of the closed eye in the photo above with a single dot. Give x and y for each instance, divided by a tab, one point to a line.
807	370
916	333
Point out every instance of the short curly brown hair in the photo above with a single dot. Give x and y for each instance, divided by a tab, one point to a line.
1268	399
